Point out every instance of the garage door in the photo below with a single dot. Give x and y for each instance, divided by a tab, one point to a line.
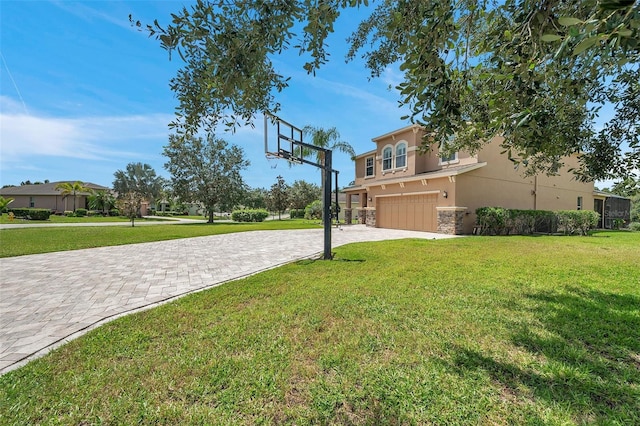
413	212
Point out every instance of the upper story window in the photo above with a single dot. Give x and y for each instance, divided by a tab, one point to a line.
448	158
401	155
387	158
369	170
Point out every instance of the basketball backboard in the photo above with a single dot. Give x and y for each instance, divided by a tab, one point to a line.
282	140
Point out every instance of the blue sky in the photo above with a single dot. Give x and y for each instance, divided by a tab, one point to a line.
83	94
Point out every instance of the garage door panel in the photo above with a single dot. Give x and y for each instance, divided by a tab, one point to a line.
413	212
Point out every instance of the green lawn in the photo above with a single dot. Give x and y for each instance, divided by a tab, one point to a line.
4	219
21	241
481	330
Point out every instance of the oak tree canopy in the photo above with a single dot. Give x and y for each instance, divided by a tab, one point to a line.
534	71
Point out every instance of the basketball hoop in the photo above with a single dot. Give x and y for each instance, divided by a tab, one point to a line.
273	162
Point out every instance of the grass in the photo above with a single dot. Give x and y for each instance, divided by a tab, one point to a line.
21	241
4	219
483	330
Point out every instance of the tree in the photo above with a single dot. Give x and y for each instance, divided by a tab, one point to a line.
327	139
302	193
534	73
206	171
69	188
129	204
101	200
4	202
139	178
255	198
278	199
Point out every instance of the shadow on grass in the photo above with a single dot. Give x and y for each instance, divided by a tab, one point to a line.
586	350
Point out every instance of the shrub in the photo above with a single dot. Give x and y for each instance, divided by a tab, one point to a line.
313	210
20	212
634	226
492	220
114	212
617	223
501	221
570	221
33	214
81	212
68	213
249	215
39	214
296	213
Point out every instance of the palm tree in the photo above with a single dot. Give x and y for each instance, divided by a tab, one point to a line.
327	139
68	188
4	202
101	200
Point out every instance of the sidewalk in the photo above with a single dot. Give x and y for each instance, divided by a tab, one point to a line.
48	299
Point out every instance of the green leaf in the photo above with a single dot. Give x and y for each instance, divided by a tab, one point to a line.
550	37
567	21
584	45
625	32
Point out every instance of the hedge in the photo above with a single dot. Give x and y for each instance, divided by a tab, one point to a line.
501	221
296	213
249	215
32	214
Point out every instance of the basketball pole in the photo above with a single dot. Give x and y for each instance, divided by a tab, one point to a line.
325	167
326	202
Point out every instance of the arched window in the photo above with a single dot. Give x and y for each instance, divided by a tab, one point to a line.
387	158
401	155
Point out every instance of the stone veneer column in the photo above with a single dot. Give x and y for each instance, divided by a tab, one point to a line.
450	220
347	216
362	216
370	216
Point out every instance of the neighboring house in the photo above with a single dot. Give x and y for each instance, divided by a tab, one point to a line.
611	207
342	202
400	188
46	196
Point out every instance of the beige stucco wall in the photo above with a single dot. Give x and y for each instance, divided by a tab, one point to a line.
52	202
500	185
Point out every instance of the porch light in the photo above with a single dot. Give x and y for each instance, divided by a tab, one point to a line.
444	194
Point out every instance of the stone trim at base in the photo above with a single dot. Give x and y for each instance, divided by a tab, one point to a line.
347	216
450	220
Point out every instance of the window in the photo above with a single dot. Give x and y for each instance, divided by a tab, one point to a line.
448	158
401	155
387	154
369	170
579	203
32	202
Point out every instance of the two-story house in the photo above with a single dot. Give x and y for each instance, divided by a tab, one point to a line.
400	188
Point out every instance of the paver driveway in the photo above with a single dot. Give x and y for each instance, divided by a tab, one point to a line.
49	299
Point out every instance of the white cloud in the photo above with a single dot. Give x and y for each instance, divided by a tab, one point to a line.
90	14
93	138
392	77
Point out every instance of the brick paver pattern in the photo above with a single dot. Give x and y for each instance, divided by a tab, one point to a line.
49	299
